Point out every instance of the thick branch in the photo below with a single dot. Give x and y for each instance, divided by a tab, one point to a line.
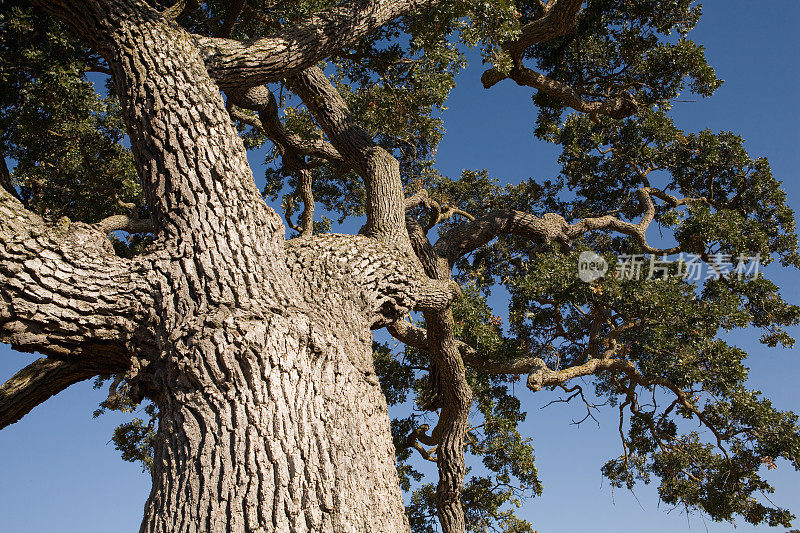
388	281
379	170
63	292
39	381
559	18
125	223
291	50
471	235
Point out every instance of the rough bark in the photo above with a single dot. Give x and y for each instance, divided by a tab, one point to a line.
449	390
63	292
271	418
291	50
37	382
257	353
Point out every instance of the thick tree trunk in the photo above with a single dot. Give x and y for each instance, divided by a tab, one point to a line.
260	361
280	429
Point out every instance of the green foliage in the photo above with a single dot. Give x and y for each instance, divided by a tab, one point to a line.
134	439
63	136
626	47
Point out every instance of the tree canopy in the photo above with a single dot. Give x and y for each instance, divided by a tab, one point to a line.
682	222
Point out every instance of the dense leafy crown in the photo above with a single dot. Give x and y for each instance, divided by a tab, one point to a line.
666	334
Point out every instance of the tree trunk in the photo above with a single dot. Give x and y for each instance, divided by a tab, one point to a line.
280	429
258	353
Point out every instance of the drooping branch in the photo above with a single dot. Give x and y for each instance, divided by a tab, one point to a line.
291	50
41	380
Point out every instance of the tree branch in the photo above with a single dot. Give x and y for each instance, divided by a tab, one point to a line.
234	10
559	18
471	235
618	107
39	381
125	223
5	179
291	50
551	227
379	170
261	100
63	292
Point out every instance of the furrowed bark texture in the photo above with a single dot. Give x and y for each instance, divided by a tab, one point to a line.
271	417
450	391
294	49
266	422
456	396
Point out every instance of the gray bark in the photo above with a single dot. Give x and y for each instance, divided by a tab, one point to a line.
257	355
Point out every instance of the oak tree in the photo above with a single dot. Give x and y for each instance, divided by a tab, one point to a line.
135	248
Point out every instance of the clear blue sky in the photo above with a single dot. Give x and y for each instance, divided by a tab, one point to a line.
58	471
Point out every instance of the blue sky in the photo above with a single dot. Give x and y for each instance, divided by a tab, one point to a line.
58	471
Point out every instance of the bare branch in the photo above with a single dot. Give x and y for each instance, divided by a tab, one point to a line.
418	438
304	182
644	196
558	18
180	9
292	147
437	212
